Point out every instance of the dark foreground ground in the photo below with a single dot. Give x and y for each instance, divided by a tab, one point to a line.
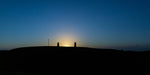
73	61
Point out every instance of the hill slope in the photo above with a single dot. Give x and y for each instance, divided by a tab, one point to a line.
79	60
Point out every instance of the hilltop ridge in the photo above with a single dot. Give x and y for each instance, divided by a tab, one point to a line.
63	60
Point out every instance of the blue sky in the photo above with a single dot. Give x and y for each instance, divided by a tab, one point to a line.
119	24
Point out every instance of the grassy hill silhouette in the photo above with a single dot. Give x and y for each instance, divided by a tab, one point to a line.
74	60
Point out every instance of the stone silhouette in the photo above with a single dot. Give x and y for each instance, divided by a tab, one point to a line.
57	44
75	44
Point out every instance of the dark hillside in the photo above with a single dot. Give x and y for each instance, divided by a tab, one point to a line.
70	60
4	59
73	60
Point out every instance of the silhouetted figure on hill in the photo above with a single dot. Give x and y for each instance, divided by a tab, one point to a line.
75	44
57	44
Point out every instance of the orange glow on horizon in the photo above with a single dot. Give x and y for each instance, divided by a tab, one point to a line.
66	45
64	40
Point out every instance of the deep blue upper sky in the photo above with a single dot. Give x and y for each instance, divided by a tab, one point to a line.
120	24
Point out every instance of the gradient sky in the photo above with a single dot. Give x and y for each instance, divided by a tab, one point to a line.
119	24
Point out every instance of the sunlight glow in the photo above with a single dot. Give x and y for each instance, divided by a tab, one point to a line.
66	40
66	45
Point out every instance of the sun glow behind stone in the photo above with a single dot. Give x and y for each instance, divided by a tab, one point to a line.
65	40
66	45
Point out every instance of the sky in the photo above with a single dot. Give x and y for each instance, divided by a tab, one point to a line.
116	24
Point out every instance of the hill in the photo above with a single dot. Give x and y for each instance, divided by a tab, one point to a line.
75	60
